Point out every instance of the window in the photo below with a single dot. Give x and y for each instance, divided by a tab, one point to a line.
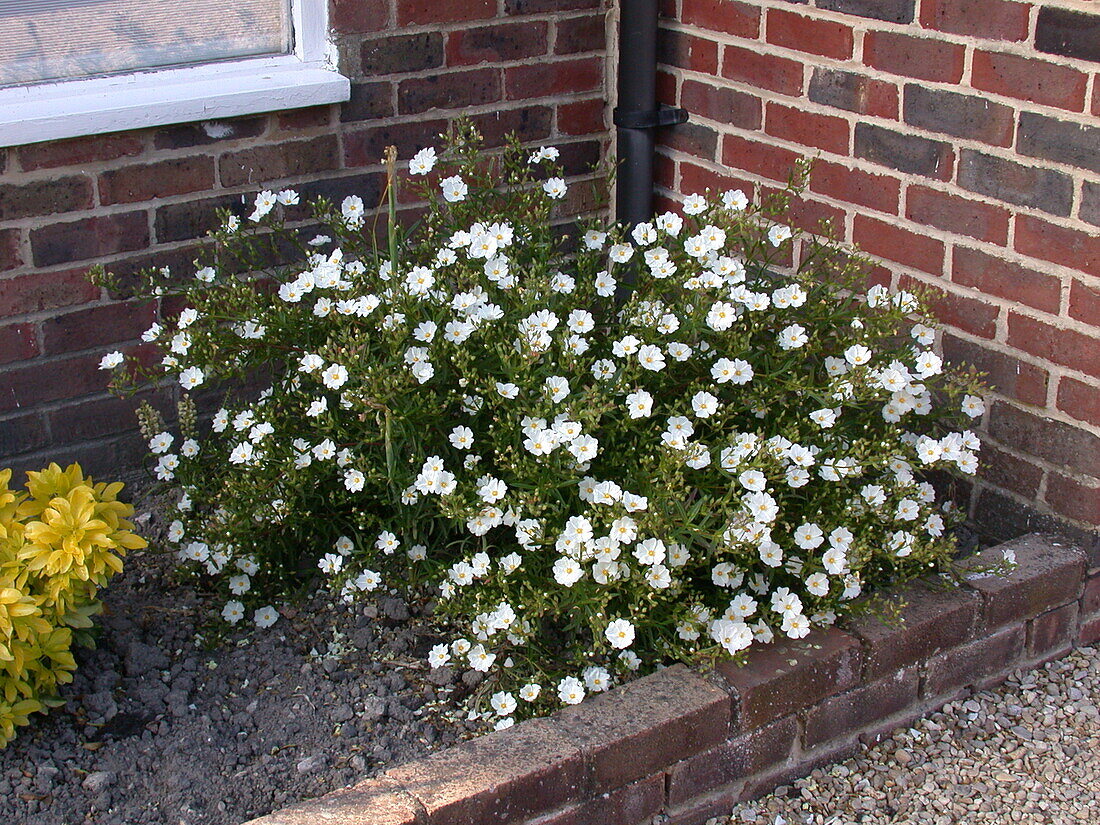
77	67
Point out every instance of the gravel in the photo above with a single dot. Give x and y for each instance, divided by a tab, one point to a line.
159	729
1028	751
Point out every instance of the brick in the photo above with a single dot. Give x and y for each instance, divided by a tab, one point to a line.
565	77
88	238
44	197
297	120
854	93
1048	574
368	101
759	158
788	675
1055	441
737	19
23	386
1004	517
92	419
695	178
95	326
11	253
885	240
762	71
893	11
544	6
587	33
827	38
1090	203
1067	347
365	148
1079	400
263	164
930	621
991	19
995	276
1074	144
499	777
974	663
964	116
451	90
1058	244
1069	33
21	435
637	802
850	712
79	151
854	186
41	291
698	54
1050	634
1027	78
808	214
645	725
904	152
494	44
188	135
696	139
157	180
925	58
974	315
1008	472
960	216
585	117
368	186
1073	499
721	103
377	801
359	16
1090	598
753	752
194	218
1021	184
1090	632
807	128
400	53
17	343
453	11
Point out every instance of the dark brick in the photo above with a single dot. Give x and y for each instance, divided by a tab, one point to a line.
695	139
92	419
544	6
1059	443
188	135
77	151
1004	470
453	90
359	16
529	123
928	621
991	19
157	180
757	157
95	326
433	11
722	103
994	275
1090	632
1069	33
368	186
974	663
21	435
904	152
44	291
1052	633
22	387
687	51
1073	498
581	34
44	197
584	117
637	802
1061	141
789	675
854	93
926	58
401	53
1090	599
93	237
893	11
365	148
964	116
11	255
499	777
580	74
960	216
977	316
193	219
737	19
262	164
367	102
1000	517
494	44
378	801
645	725
17	343
1079	400
309	117
1084	301
1048	575
1090	203
851	712
750	753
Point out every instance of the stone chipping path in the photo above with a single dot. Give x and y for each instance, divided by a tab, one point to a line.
1027	751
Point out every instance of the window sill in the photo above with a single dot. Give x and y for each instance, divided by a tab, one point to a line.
53	111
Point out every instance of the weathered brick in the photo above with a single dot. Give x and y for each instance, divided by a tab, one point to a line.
188	135
1074	144
23	387
964	116
878	192
904	152
788	675
500	777
1028	78
827	38
993	19
928	621
367	102
885	240
44	197
853	711
643	726
1067	347
51	154
93	237
1077	399
893	11
543	6
637	802
749	66
973	663
698	54
974	315
854	93
925	58
1057	442
21	435
1068	32
752	752
737	19
365	148
587	33
1090	598
359	16
807	128
1005	373
394	53
1048	574
759	158
1050	634
17	343
722	103
40	291
584	117
494	44
309	117
539	80
453	90
993	275
11	253
1090	632
95	326
194	218
808	214
1072	498
960	216
1090	203
261	164
695	139
1067	247
1084	301
377	801
1008	472
96	418
432	11
157	180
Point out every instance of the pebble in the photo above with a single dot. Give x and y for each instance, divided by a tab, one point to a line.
97	782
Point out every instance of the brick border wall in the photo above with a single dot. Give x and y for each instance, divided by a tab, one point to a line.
959	145
690	746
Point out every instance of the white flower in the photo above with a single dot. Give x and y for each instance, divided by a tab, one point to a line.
620	253
287	197
354	480
736	371
242	453
796	625
555	188
761	507
857	354
461	438
651	357
734	200
454	189
503	703
480	659
824	418
233	611
731	635
543	153
620	634
335	376
778	234
793	337
571	691
567	571
809	536
594	239
422	162
439	655
367	581
694	204
265	202
973	406
704	404
265	616
160	443
191	378
639	404
530	692
331	563
111	360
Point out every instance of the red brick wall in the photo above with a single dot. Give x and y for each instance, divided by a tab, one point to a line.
134	199
959	145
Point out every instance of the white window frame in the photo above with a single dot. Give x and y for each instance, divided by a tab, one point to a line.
156	97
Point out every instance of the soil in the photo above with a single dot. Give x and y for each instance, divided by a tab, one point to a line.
160	728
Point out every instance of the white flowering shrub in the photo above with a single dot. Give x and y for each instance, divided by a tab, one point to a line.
601	452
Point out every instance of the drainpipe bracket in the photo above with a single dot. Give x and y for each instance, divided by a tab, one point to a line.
661	116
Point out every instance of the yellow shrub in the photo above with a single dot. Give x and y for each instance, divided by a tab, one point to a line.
60	541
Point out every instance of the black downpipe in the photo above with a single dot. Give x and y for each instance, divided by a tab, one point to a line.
637	113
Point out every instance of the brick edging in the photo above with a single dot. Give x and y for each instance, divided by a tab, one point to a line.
690	745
